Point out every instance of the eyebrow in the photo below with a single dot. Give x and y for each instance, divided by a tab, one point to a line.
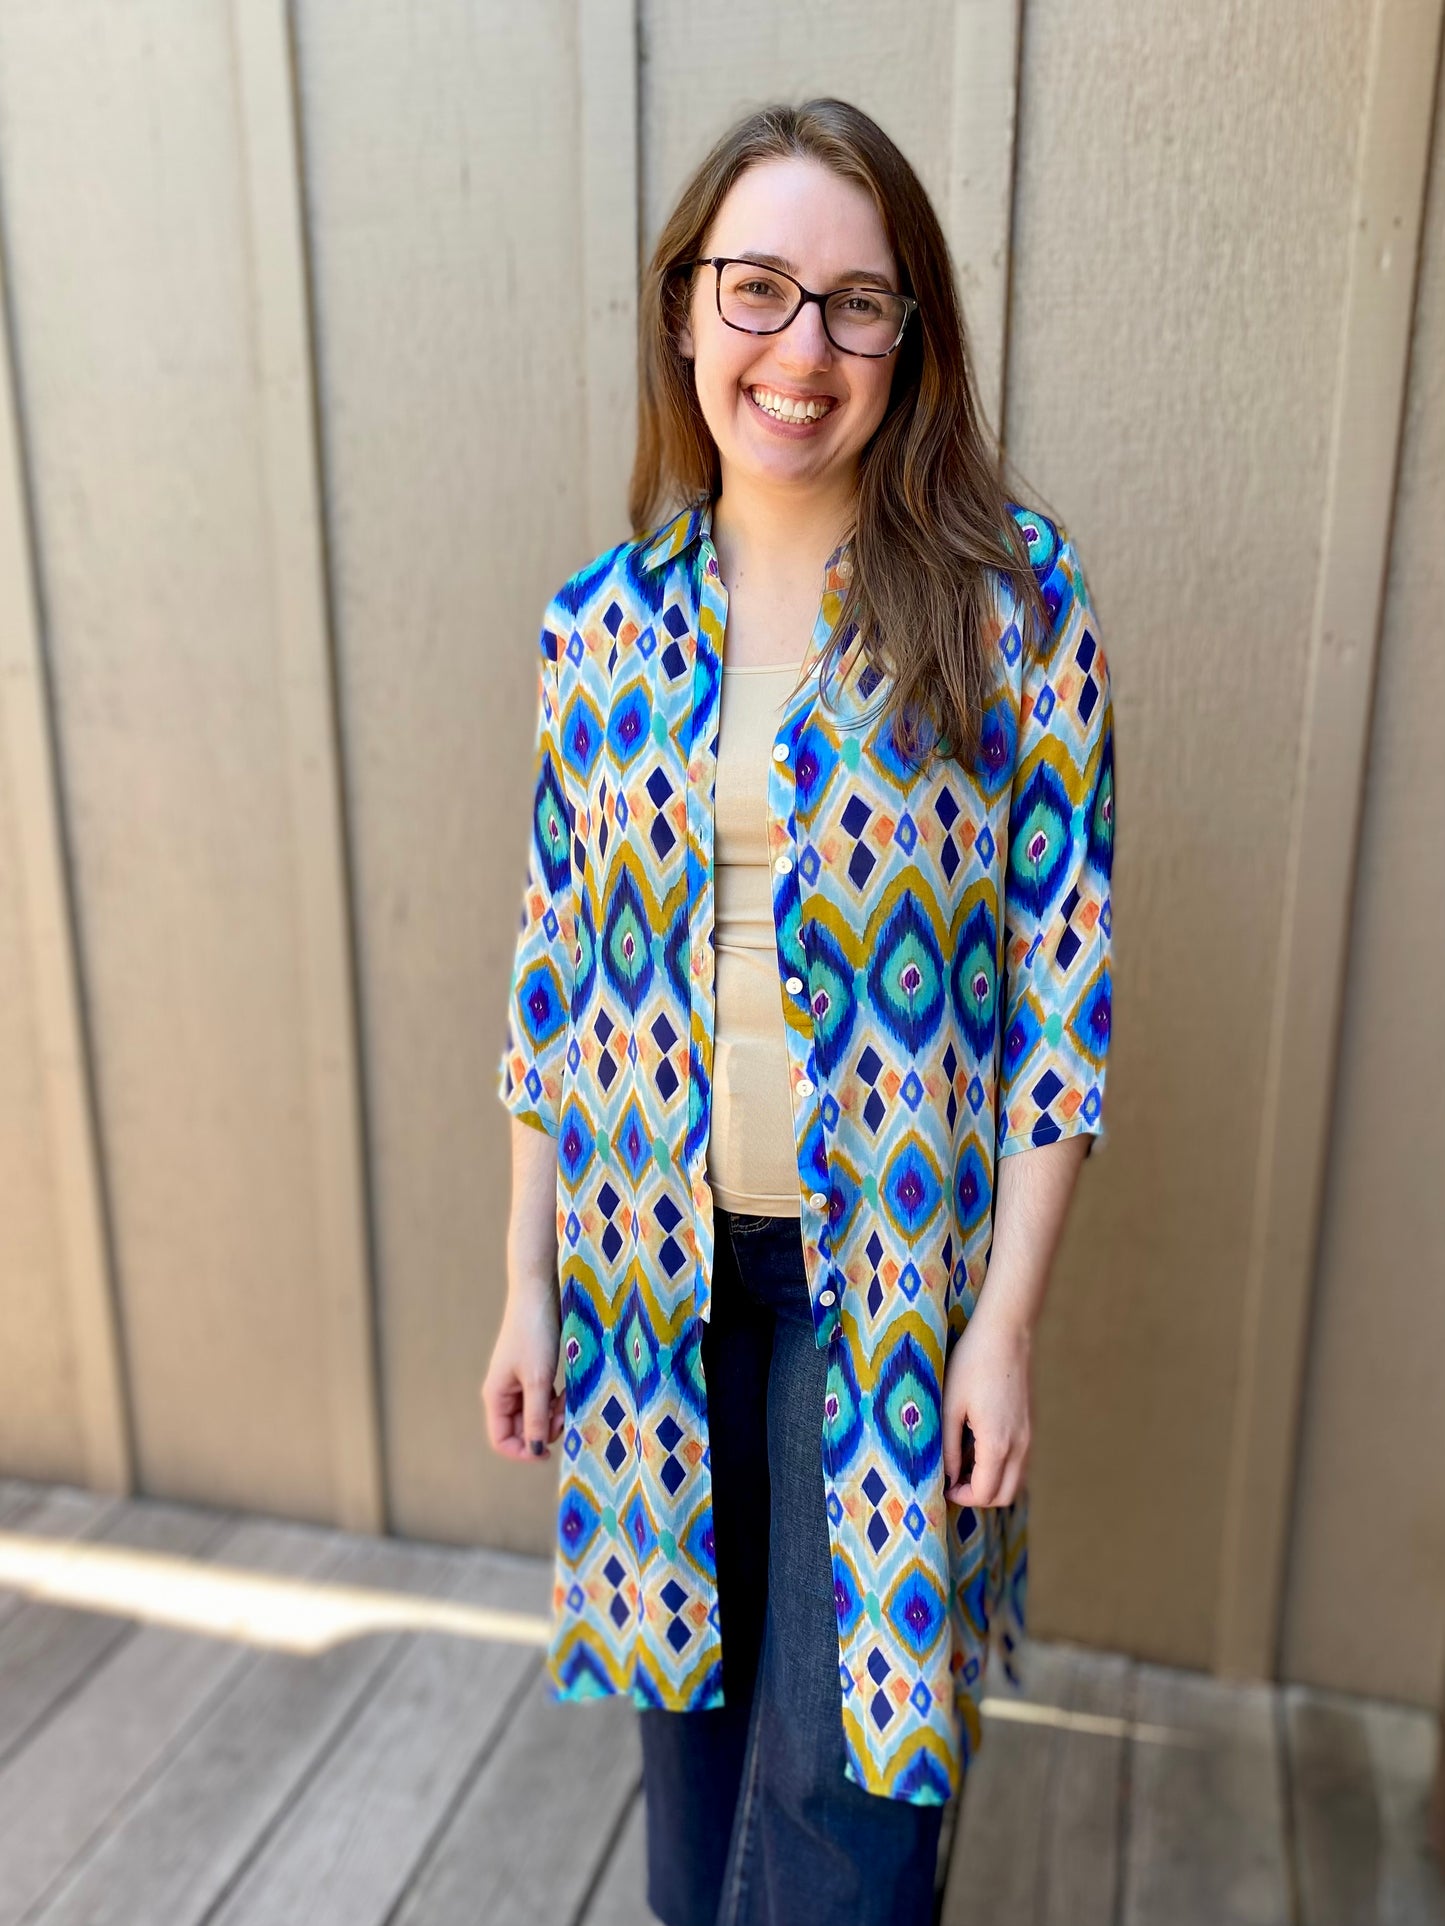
849	278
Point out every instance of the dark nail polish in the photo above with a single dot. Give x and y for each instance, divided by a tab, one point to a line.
537	1447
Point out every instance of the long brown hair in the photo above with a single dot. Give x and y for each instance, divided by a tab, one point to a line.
931	515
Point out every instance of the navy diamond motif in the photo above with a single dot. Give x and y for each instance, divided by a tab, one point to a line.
862	866
855	816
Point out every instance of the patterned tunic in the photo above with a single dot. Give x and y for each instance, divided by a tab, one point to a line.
943	947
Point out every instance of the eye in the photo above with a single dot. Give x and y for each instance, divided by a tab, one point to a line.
861	305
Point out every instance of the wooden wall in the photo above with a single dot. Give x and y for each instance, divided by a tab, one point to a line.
317	359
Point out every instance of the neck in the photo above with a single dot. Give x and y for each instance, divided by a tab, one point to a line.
779	533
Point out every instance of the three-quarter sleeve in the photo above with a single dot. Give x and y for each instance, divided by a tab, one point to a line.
1058	916
540	997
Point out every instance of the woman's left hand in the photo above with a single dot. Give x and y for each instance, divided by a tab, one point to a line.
986	1384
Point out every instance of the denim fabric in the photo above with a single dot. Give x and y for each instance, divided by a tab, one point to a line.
750	1820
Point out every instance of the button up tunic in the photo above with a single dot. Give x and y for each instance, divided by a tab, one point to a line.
943	948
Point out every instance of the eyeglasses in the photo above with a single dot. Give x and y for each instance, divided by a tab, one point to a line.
764	300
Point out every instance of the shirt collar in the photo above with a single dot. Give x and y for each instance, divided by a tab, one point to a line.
689	525
693	522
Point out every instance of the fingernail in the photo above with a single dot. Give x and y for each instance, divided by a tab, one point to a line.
537	1447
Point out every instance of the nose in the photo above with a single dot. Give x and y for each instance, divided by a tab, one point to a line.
804	343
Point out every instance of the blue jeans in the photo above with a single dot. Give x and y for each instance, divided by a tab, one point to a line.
750	1821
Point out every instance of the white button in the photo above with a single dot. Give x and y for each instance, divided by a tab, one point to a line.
795	983
783	865
805	1088
780	752
819	1200
825	1297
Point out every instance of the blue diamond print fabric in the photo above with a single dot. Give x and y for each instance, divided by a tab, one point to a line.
949	935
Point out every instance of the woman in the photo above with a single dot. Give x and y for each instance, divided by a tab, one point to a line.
815	937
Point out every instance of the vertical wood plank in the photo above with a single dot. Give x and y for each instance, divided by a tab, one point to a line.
980	182
286	397
29	750
607	88
1328	801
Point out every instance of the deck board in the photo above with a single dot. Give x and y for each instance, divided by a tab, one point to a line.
1206	1832
59	1512
538	1821
165	1772
175	1851
1082	1863
352	1839
620	1896
1036	1840
1359	1777
74	1777
46	1649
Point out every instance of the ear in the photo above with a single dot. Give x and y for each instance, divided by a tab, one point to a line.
683	339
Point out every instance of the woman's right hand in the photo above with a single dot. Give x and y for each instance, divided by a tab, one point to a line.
524	1412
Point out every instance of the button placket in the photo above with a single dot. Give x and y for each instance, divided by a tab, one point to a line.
706	631
807	1117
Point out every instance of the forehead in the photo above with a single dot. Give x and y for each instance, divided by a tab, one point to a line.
803	212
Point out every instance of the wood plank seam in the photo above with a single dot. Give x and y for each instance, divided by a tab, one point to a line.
606	1856
283	329
609	162
29	743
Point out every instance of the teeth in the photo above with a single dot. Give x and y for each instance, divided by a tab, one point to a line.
784	408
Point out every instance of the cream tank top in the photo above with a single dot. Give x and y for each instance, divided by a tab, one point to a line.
752	1159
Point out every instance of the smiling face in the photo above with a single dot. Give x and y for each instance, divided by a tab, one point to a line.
790	409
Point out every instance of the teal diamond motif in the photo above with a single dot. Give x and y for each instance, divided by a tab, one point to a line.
635	1349
907	1410
906	977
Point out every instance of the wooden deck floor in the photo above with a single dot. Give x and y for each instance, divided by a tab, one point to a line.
196	1726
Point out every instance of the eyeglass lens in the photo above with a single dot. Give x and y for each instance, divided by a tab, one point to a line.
860	320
